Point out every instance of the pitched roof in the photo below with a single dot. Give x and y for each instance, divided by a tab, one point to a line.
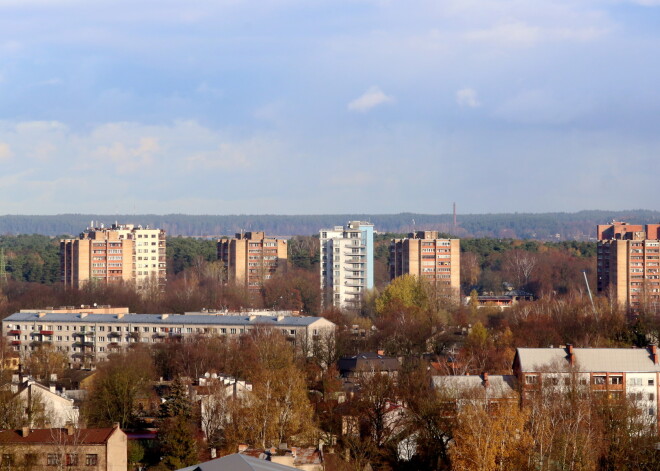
500	386
237	462
368	361
588	360
84	436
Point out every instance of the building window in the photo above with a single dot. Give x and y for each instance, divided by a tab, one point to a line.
7	460
30	459
651	382
616	379
531	379
53	459
599	379
91	460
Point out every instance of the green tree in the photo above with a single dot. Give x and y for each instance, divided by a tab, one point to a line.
178	446
177	402
406	290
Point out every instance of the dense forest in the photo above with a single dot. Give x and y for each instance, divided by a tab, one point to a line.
542	226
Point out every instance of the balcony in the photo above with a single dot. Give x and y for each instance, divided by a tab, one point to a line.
46	332
15	342
15	332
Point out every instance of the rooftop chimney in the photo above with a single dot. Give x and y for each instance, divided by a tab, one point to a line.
25	431
69	429
242	447
486	381
571	355
381	352
654	353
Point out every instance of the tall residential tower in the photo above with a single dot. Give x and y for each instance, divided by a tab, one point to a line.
628	263
426	256
347	263
252	258
122	252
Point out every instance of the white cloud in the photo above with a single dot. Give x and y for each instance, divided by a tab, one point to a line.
467	97
5	151
524	34
370	99
227	156
129	159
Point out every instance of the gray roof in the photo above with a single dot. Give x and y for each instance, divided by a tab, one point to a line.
499	385
588	360
289	321
237	462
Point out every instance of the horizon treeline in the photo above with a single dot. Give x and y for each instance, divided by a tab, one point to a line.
541	226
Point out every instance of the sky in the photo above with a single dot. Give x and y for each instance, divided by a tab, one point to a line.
328	106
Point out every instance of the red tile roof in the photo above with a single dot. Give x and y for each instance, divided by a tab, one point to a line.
84	436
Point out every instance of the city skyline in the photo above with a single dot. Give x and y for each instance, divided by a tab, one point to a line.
223	108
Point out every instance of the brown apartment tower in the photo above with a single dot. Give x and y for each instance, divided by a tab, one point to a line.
251	258
425	255
628	263
122	252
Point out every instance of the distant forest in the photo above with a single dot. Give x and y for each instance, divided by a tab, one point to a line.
579	226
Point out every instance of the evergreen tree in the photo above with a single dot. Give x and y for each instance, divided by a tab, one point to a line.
178	446
178	402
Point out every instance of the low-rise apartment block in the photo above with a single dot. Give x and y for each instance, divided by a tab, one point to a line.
251	258
120	253
428	257
628	263
87	338
611	372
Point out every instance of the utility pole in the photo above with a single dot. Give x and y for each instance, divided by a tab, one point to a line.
593	305
3	268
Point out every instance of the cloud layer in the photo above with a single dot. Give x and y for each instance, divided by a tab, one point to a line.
322	107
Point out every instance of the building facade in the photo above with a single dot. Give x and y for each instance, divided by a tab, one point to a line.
87	338
628	263
102	449
424	255
251	258
613	373
347	263
120	253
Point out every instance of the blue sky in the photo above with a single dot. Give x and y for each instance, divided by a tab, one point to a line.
328	106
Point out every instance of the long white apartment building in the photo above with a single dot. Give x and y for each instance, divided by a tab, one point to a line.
87	338
347	263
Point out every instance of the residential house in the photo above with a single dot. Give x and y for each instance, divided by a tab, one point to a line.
43	404
102	449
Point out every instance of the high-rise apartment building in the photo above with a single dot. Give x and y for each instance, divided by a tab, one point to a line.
628	263
424	255
122	252
347	262
252	258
